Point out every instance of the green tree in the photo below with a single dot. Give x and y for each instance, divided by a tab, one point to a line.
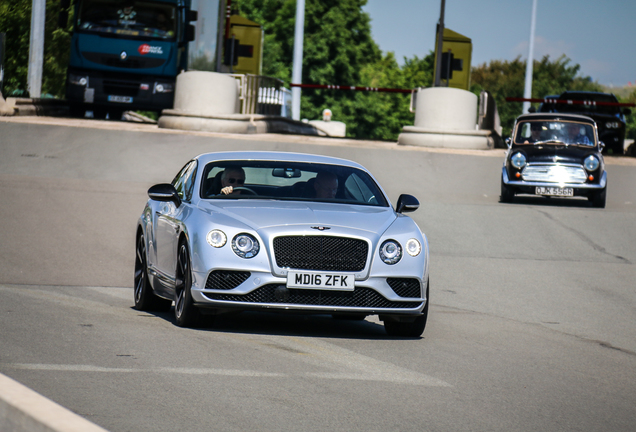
339	49
15	21
507	79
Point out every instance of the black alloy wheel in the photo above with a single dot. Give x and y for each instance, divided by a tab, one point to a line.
409	329
186	313
145	298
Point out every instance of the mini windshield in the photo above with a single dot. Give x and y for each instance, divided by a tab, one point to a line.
290	181
128	18
565	132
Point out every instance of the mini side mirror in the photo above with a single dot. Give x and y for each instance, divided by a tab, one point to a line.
627	111
601	145
164	192
509	142
407	203
532	109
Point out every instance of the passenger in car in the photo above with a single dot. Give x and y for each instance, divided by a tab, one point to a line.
326	185
574	135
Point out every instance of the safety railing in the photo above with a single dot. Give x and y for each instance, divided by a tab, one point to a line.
263	95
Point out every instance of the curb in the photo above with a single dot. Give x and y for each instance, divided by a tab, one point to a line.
24	410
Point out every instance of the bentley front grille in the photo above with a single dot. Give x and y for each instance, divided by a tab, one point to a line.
405	287
226	279
323	253
554	173
279	294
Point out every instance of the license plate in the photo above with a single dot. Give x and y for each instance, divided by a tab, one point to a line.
326	281
122	99
555	191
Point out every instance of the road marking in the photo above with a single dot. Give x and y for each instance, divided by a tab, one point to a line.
413	378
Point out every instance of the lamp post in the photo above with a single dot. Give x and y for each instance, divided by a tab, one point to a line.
36	48
297	67
527	92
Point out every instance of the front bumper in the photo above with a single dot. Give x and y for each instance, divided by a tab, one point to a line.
581	186
262	290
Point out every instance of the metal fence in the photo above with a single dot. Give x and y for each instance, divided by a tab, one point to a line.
263	95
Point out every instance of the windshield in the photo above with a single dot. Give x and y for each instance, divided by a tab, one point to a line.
567	132
128	18
290	181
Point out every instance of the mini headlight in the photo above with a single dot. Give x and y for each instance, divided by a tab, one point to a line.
518	160
413	247
216	238
591	163
391	252
245	245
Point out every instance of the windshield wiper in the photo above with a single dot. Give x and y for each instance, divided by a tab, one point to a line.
550	141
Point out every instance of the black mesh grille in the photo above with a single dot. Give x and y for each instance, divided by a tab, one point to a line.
226	279
405	287
320	253
131	62
360	297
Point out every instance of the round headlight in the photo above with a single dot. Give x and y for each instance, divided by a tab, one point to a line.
159	88
216	238
591	163
518	160
83	81
413	247
245	246
391	252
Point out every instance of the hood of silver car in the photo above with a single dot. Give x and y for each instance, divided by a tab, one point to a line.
319	216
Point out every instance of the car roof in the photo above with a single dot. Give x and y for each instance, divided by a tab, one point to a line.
590	94
555	116
275	156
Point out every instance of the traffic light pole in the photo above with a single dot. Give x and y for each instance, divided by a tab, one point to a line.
36	48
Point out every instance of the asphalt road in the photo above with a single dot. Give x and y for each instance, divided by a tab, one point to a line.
532	322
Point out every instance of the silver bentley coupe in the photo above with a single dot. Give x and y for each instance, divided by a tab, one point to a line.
281	232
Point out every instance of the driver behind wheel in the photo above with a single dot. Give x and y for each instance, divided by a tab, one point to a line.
232	178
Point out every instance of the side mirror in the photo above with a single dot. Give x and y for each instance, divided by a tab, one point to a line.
62	19
532	109
189	33
164	192
192	15
407	203
627	111
601	145
509	142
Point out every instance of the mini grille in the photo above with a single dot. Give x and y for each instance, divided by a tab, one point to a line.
360	297
554	173
321	253
226	279
405	287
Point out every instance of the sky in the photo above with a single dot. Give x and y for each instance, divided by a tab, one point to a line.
599	35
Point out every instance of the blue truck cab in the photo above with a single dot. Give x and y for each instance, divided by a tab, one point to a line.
126	54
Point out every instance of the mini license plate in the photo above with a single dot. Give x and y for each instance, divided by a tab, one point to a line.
122	99
326	281
555	191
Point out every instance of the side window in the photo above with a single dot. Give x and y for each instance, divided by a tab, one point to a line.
184	181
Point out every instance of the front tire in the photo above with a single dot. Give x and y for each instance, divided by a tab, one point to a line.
185	312
145	298
409	329
599	199
507	193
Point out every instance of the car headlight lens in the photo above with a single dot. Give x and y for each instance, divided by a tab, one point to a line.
163	88
413	247
591	163
77	80
216	238
612	125
245	246
391	252
518	160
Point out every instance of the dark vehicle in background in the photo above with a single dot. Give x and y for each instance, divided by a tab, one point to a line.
126	54
603	108
554	155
